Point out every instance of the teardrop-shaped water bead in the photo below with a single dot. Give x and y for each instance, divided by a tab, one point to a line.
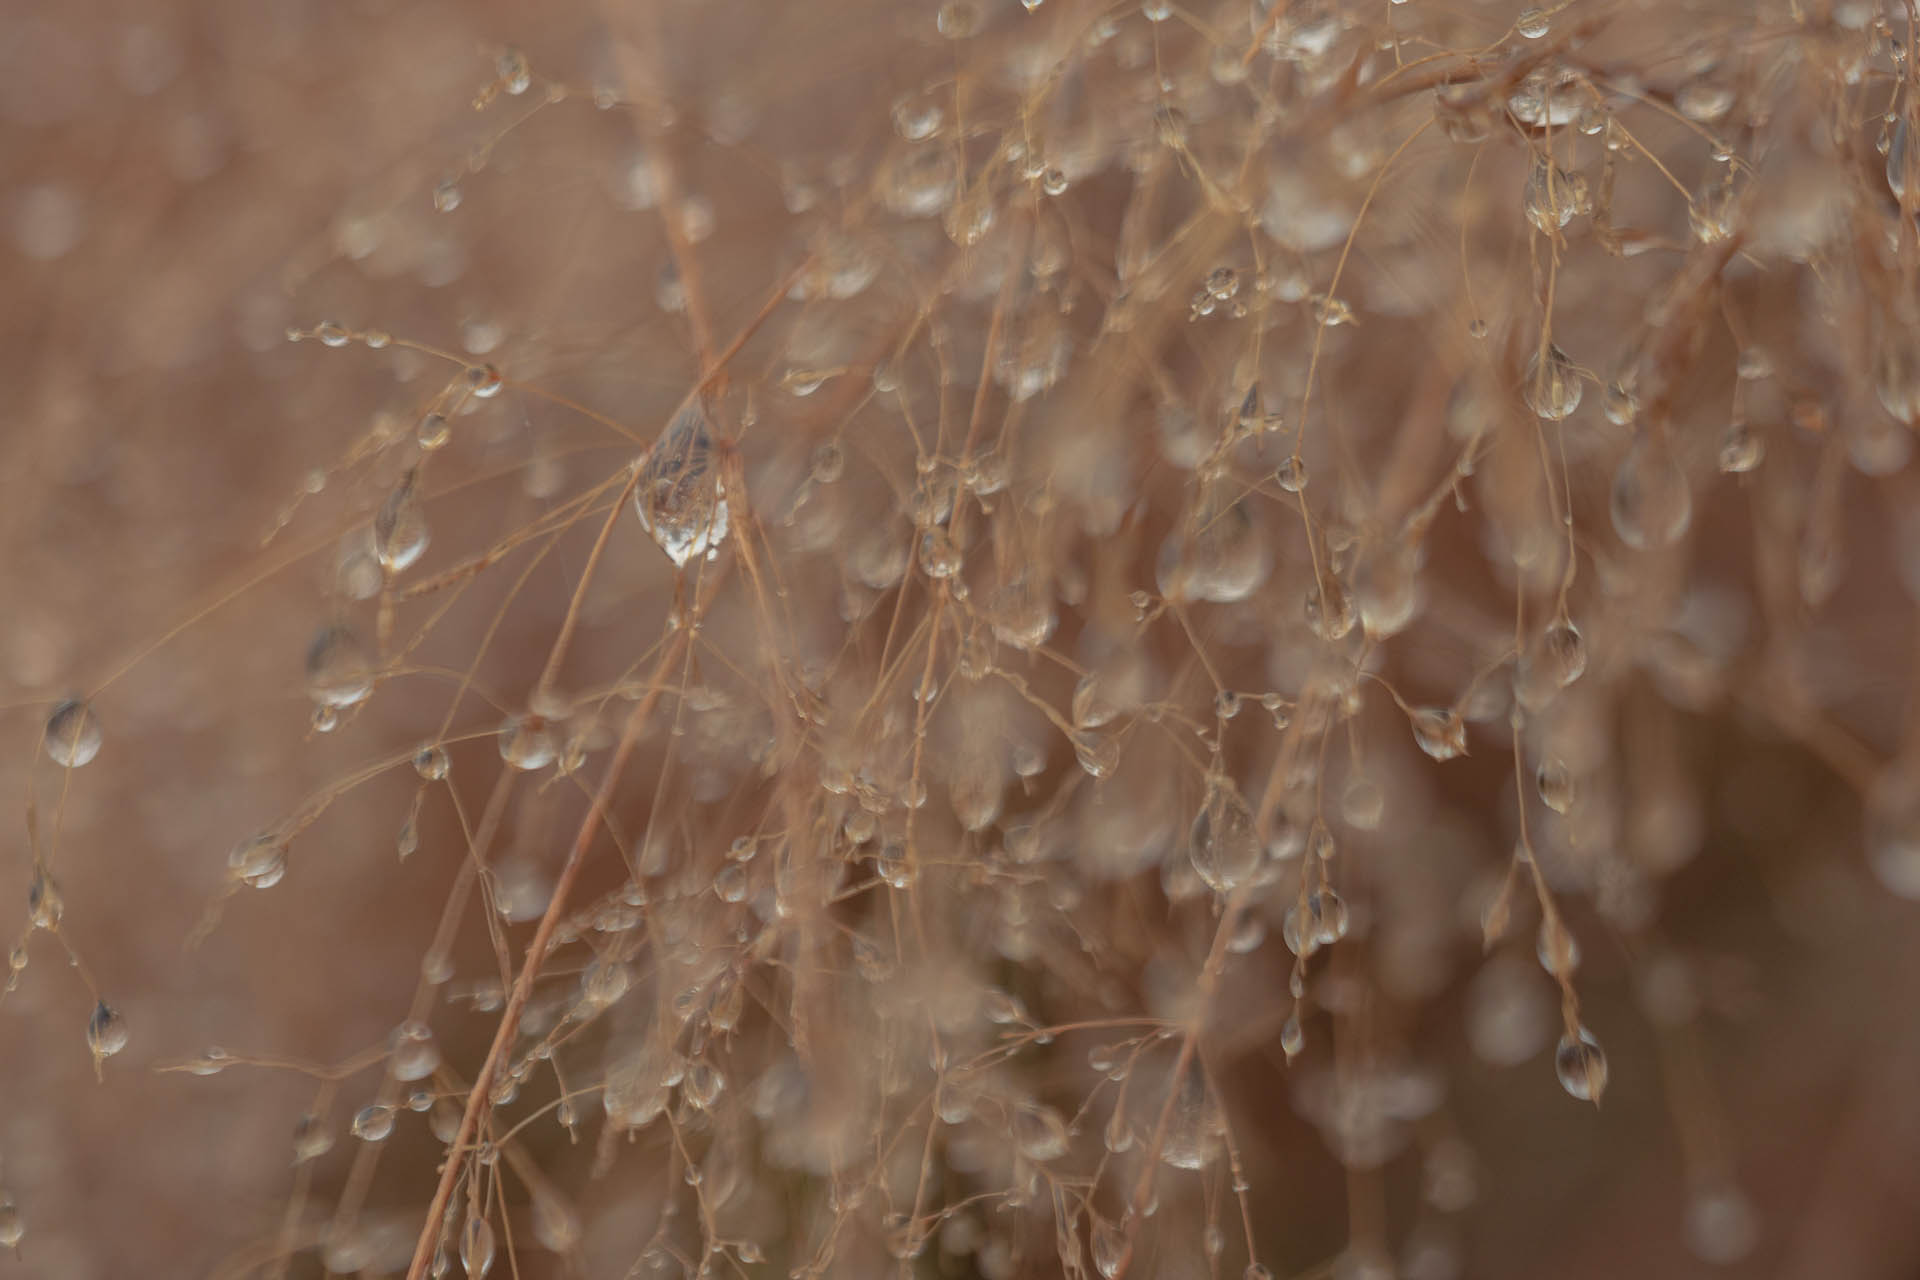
1652	505
679	497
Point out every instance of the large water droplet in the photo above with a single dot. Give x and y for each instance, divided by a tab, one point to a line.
1581	1065
1552	387
400	527
1651	505
339	672
1222	842
679	497
73	733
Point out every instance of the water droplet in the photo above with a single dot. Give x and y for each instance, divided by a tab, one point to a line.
339	672
1533	23
73	733
1553	195
1292	474
446	195
400	528
731	882
604	982
13	1227
1896	372
1108	1244
1552	390
311	1139
679	497
1222	843
415	1055
703	1084
1038	1132
918	115
1440	732
1619	403
45	906
431	762
526	742
373	1122
1651	504
476	1246
1098	754
515	76
1555	783
433	432
938	556
259	861
1556	947
1581	1065
1741	448
1386	587
106	1031
484	381
1195	1128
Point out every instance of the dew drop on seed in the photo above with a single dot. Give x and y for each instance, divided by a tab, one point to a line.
1440	732
1195	1130
431	762
604	982
476	1246
1108	1244
433	432
1581	1065
1038	1132
919	114
311	1139
1556	948
515	75
730	883
373	1122
106	1031
1533	23
339	672
1555	784
415	1055
45	906
1552	390
1741	448
73	733
526	742
400	527
259	861
1651	504
484	381
1292	474
679	497
1222	842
